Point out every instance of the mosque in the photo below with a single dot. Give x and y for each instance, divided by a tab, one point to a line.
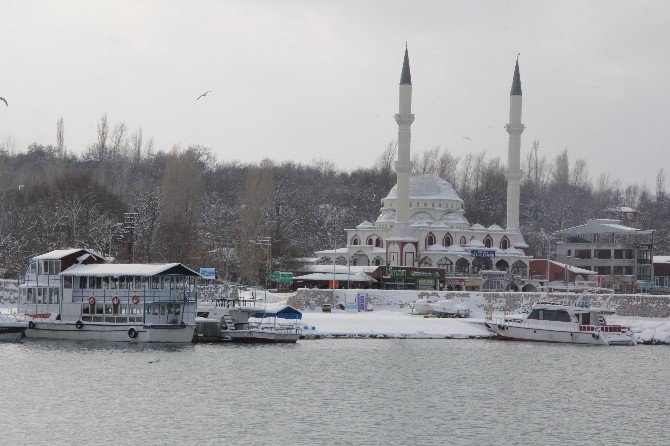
422	222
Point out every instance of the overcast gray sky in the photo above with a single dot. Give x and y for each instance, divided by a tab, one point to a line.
298	80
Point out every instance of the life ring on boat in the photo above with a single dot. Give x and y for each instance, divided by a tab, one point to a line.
91	300
31	324
595	335
500	327
132	333
79	324
115	300
135	299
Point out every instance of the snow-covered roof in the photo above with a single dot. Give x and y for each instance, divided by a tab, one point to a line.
439	225
365	225
127	269
58	254
661	259
575	269
339	268
342	277
336	251
477	227
456	249
436	247
427	187
495	228
513	252
389	216
621	208
421	223
520	244
600	226
474	243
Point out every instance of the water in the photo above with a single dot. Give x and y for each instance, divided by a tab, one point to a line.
339	392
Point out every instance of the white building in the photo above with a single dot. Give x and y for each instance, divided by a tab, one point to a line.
422	220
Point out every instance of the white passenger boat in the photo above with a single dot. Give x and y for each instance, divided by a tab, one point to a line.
73	294
11	327
550	322
231	319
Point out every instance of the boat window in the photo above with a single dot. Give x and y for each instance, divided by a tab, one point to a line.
202	314
586	318
30	296
138	283
56	266
145	282
155	282
54	295
534	314
98	309
122	282
67	282
39	295
114	283
32	268
108	308
83	282
105	282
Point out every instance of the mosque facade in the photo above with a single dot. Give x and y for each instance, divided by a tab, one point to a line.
422	221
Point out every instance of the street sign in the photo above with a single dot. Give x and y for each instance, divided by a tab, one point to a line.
208	273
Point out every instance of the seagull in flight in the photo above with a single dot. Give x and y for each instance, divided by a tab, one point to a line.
204	94
468	138
5	101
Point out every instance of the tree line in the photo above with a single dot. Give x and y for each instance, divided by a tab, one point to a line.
128	199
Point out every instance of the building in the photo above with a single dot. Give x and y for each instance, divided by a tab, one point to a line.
422	222
662	272
621	255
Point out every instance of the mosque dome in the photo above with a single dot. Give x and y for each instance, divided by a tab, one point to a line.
422	187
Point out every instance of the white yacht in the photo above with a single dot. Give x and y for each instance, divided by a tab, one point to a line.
550	322
11	328
73	294
228	319
449	308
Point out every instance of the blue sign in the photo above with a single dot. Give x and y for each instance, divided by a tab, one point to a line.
362	301
480	253
208	273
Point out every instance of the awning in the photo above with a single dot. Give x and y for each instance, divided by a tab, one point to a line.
284	312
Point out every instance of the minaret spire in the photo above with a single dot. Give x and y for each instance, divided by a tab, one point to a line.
403	166
514	129
405	76
516	82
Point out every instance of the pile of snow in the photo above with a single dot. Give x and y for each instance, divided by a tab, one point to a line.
647	330
389	324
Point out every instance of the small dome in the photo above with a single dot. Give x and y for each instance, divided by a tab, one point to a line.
439	225
521	244
474	243
453	217
365	225
477	227
436	247
495	228
427	187
455	249
389	216
512	252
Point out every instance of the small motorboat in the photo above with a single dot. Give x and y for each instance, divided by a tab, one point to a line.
11	327
576	324
449	308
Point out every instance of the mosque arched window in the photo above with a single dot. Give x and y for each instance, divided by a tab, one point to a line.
488	241
430	240
426	261
355	240
504	243
463	241
378	242
370	241
448	240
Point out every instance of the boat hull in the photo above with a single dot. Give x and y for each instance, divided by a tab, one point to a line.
135	333
12	333
260	336
519	332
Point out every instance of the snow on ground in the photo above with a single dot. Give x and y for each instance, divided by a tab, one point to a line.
392	324
647	330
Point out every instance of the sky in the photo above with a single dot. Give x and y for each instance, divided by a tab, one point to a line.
305	80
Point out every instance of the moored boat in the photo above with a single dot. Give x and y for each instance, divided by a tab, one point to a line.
73	294
240	320
551	322
11	327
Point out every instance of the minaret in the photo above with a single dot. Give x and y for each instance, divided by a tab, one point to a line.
403	166
515	129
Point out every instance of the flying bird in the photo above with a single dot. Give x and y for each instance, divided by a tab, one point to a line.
204	94
5	101
468	138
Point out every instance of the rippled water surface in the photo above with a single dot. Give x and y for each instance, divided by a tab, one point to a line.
334	392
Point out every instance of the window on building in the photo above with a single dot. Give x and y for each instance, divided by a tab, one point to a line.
430	240
355	240
448	241
488	241
618	270
618	253
628	270
463	241
644	273
603	270
602	253
644	256
378	242
569	252
628	254
582	253
504	243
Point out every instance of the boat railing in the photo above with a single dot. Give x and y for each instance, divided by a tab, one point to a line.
127	295
281	328
563	326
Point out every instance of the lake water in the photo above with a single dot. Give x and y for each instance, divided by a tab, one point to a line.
345	391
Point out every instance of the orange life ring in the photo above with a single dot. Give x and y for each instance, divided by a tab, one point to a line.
115	300
91	300
136	299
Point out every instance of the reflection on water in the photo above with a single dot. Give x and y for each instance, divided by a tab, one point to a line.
333	392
